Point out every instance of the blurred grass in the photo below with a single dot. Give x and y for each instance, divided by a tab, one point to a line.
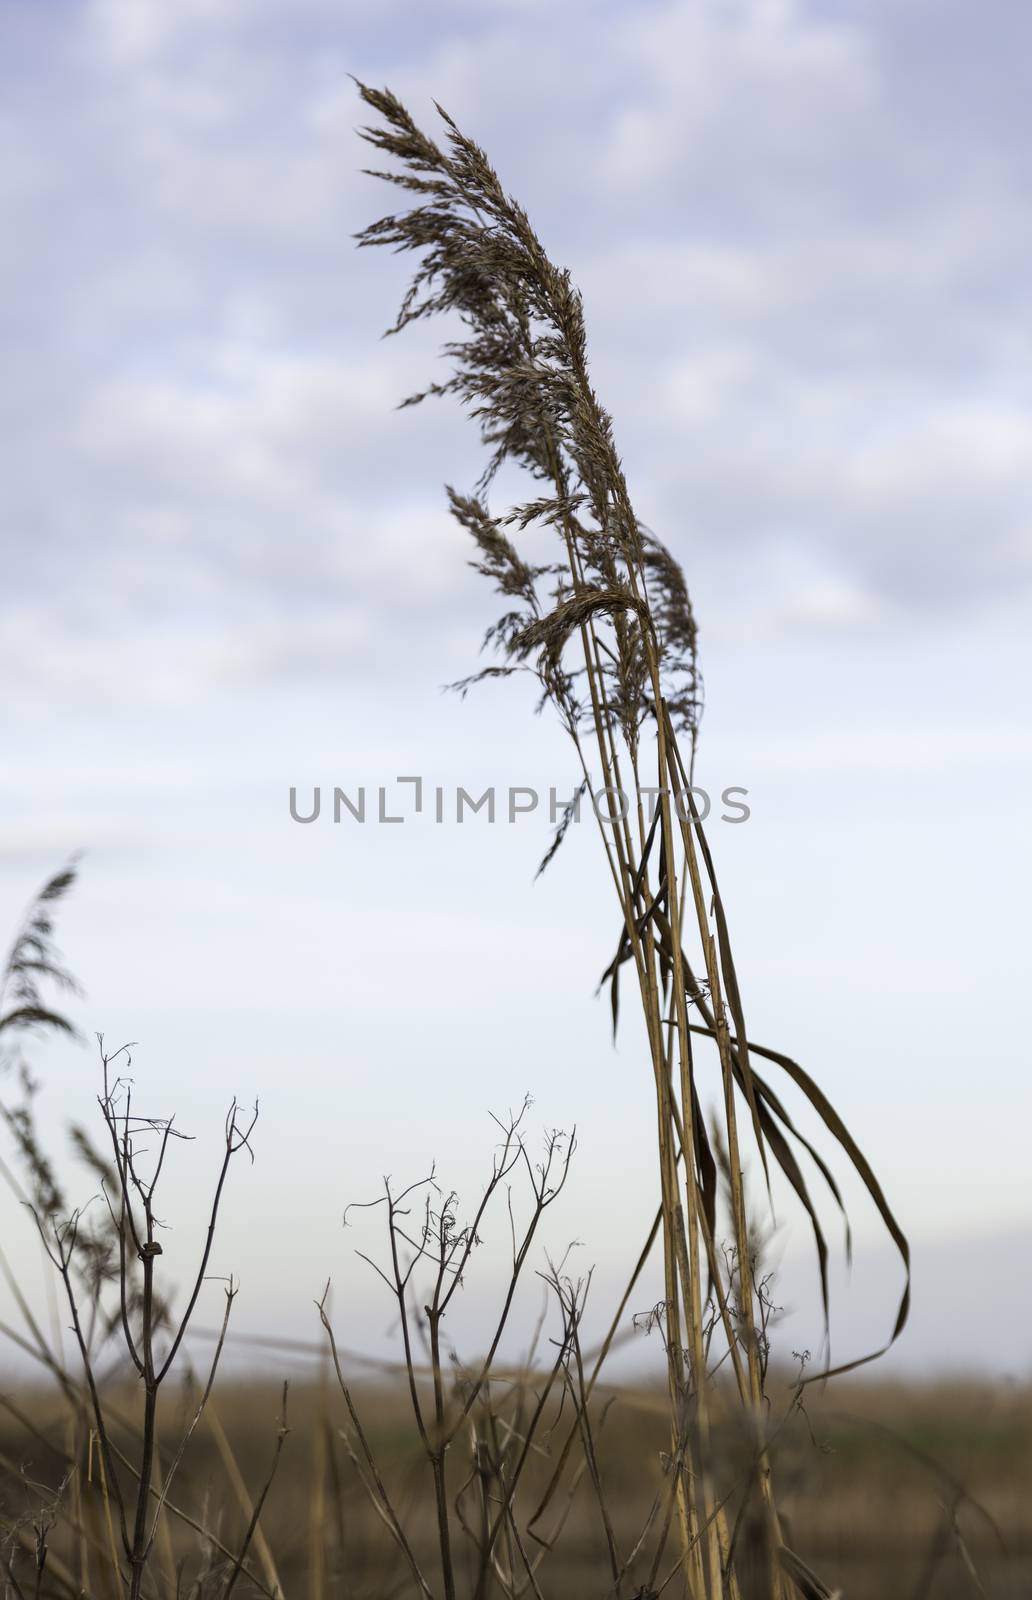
871	1477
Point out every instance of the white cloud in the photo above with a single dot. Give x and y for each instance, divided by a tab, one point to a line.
803	238
832	604
753	78
803	324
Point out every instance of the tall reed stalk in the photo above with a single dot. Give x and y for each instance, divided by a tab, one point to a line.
607	629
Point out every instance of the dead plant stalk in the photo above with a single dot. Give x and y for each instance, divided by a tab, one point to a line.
618	594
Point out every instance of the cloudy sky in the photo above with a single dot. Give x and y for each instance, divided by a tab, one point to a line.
802	233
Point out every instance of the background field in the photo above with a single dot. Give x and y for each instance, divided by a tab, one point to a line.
866	1506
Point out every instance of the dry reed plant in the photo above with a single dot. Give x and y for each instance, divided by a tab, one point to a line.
608	632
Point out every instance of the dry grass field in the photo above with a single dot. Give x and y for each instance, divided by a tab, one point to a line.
899	1490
